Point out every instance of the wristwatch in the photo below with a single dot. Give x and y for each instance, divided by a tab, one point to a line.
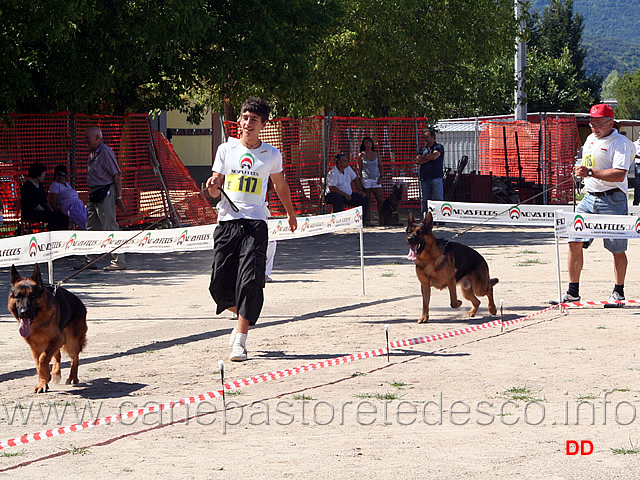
590	172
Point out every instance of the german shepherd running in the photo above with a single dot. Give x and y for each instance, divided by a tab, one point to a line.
48	322
440	264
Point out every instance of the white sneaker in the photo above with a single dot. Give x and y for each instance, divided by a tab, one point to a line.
566	298
616	297
232	337
238	353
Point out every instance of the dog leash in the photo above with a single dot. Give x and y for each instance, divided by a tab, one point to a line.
150	227
233	205
511	206
164	217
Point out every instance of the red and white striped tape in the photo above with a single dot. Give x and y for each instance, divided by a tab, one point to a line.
288	372
601	302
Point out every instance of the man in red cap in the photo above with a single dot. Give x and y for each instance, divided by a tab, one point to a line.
605	163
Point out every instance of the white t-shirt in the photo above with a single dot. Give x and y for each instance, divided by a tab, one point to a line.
612	151
637	144
246	175
341	180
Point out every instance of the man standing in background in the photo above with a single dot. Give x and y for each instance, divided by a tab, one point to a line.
636	187
104	180
431	161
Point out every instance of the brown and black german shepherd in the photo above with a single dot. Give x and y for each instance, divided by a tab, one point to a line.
48	323
441	263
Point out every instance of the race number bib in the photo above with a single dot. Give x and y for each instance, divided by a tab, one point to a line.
243	184
588	161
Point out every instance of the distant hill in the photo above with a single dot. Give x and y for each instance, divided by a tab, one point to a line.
611	34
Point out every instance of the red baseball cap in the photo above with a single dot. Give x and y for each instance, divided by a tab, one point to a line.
601	110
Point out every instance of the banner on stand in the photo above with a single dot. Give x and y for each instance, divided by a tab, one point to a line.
46	246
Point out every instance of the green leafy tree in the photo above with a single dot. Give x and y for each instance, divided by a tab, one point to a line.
556	51
609	84
411	56
628	96
262	48
554	86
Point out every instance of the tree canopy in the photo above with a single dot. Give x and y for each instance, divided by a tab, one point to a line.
359	57
556	77
628	96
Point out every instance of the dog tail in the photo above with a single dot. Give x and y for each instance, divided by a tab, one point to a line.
493	281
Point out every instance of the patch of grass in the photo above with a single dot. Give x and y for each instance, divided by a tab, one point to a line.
580	349
150	351
194	306
399	385
97	322
19	453
73	450
617	390
530	261
117	346
388	274
358	374
528	252
95	369
379	396
626	451
522	393
589	396
601	327
303	397
127	469
234	393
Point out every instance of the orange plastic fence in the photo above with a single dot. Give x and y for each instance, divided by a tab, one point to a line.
308	146
59	138
301	143
539	153
396	140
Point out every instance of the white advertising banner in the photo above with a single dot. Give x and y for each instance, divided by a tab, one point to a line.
495	213
42	247
585	225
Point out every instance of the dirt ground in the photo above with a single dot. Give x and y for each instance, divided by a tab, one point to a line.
484	405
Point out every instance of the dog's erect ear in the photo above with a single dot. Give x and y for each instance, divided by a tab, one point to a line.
37	276
428	220
15	276
410	219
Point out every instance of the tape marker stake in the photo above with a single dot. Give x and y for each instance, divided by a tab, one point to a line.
386	331
501	315
224	403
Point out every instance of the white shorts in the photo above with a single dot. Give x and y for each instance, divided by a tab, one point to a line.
369	183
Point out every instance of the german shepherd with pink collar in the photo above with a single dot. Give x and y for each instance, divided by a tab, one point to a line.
441	263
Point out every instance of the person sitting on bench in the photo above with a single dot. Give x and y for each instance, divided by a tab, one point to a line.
339	192
34	204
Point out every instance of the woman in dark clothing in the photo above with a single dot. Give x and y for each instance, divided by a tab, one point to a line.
34	204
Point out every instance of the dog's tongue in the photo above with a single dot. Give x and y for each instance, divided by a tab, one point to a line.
25	327
412	255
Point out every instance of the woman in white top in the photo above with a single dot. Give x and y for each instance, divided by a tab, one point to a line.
370	167
63	198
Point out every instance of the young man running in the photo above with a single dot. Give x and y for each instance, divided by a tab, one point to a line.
242	168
